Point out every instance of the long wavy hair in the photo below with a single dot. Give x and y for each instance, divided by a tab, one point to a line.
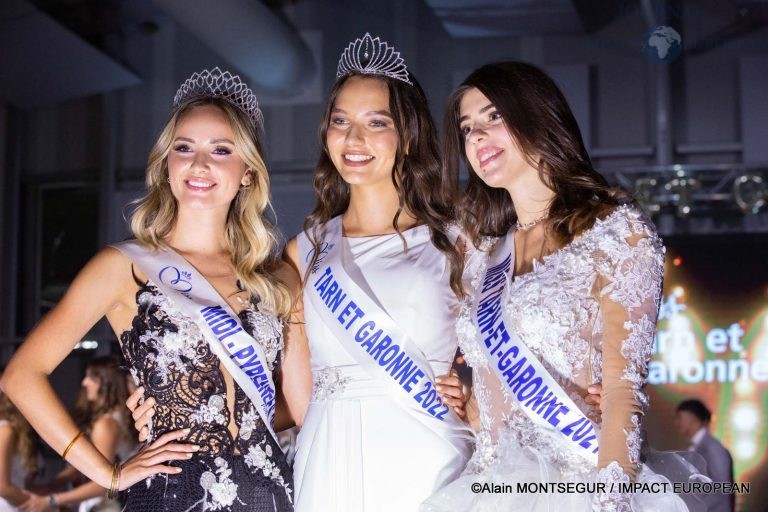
423	189
542	125
24	439
112	395
251	237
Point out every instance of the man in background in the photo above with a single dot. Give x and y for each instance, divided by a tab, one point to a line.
692	420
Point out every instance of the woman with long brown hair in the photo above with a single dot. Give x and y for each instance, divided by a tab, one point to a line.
381	276
568	296
100	412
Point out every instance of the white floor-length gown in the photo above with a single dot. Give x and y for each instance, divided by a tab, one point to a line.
358	450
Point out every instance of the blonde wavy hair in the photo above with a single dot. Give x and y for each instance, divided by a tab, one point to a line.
251	238
23	436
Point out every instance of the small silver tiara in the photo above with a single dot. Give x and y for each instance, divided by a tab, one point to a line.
372	56
220	84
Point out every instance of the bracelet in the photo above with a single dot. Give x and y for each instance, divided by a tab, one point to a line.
115	484
52	501
71	444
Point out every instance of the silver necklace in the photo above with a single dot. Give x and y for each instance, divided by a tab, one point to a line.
529	225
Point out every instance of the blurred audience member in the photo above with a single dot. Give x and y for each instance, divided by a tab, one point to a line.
18	456
100	412
692	420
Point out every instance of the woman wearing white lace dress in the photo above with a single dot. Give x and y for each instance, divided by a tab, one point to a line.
380	301
569	296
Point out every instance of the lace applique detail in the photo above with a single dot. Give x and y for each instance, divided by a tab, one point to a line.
174	348
327	382
634	440
212	412
547	443
169	356
484	454
635	271
267	331
611	501
220	491
467	330
637	348
557	311
260	457
248	423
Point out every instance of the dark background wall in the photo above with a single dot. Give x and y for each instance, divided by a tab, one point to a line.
85	86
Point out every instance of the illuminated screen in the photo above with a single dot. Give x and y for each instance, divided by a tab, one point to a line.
712	344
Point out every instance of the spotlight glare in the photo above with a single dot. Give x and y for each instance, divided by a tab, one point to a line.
745	417
745	449
744	387
87	345
749	193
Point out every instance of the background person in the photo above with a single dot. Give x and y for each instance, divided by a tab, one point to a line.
692	420
19	457
101	413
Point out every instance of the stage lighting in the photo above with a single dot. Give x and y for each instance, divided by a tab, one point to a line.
646	190
750	193
682	189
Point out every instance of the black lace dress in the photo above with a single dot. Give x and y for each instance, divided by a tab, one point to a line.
168	355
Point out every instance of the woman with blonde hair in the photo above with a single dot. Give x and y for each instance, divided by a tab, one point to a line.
198	302
18	456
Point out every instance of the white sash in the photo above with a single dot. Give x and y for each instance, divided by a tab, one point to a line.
525	378
372	337
241	355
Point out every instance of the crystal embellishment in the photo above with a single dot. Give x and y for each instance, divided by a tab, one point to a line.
372	56
328	382
220	84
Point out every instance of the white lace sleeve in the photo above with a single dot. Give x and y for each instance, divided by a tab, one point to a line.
630	269
474	257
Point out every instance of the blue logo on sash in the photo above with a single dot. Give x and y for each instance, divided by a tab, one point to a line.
325	247
179	280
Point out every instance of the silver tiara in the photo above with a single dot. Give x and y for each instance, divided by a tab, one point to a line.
372	56
220	84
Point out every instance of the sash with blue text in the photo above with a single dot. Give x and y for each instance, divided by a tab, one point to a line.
527	381
240	354
372	337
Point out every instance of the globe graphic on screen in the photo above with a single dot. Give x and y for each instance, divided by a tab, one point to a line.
662	45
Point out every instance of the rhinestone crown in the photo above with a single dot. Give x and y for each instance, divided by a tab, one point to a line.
372	56
220	84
